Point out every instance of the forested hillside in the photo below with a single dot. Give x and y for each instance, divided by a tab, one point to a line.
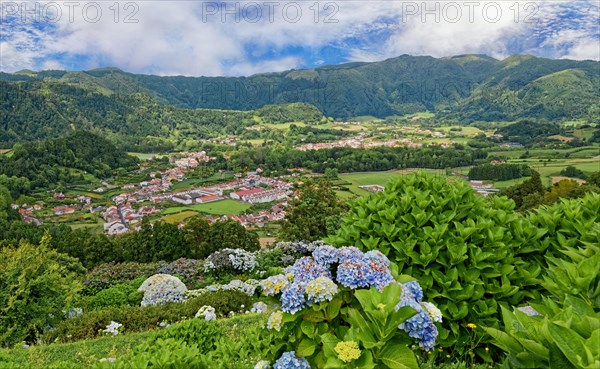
467	87
37	110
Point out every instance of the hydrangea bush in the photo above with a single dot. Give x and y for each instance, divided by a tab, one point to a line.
342	308
236	260
162	288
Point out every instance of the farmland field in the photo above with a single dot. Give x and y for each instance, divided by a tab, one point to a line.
222	207
177	218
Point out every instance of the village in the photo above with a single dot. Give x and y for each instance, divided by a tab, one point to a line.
253	188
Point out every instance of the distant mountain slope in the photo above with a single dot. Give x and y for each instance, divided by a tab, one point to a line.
466	87
36	110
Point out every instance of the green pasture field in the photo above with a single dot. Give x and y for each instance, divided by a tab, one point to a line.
222	207
179	217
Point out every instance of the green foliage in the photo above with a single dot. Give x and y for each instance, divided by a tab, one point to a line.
501	172
139	319
294	112
459	246
572	223
367	318
161	354
529	131
466	88
197	331
566	335
571	171
117	295
309	213
231	234
36	285
48	163
528	194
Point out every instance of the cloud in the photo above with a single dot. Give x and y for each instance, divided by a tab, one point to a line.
241	38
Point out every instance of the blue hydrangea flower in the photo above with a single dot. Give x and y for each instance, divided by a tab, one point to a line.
292	298
325	255
307	269
414	289
289	360
348	252
379	256
420	326
351	272
358	271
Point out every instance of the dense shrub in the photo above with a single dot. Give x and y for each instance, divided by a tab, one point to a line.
36	285
161	289
459	246
105	275
117	295
137	319
562	331
570	223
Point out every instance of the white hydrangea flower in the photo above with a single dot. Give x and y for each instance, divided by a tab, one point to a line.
208	312
259	307
433	311
162	288
113	328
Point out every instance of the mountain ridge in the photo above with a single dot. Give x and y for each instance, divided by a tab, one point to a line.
466	87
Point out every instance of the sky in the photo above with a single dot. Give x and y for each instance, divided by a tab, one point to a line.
239	38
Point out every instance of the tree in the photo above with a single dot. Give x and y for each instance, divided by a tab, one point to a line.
519	192
231	234
310	213
36	285
572	172
331	173
197	236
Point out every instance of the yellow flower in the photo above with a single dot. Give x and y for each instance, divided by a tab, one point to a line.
347	351
381	306
487	349
471	325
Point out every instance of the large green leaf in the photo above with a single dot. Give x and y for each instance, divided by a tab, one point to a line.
398	356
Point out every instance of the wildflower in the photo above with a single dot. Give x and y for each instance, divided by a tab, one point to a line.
487	349
471	325
273	285
347	351
262	365
433	311
321	289
275	320
292	298
289	360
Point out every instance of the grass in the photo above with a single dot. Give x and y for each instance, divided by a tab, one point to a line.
222	207
84	353
179	217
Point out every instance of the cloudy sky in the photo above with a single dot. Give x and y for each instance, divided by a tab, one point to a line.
246	37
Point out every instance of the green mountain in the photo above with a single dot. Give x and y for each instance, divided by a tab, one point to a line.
465	88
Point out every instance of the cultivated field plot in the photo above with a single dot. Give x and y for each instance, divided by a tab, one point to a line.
222	207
